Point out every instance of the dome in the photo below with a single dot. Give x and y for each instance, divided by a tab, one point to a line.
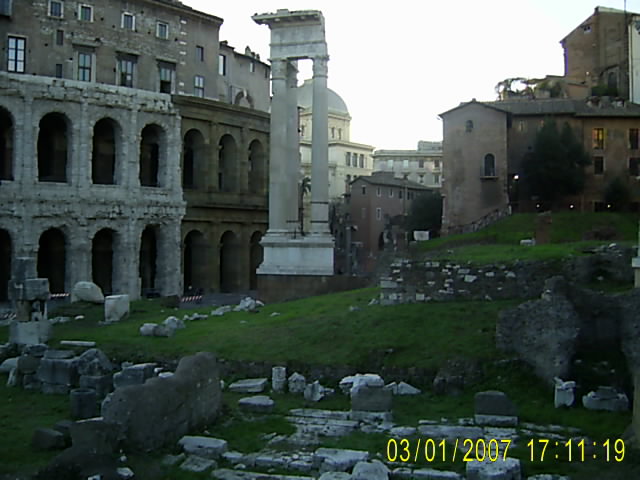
335	102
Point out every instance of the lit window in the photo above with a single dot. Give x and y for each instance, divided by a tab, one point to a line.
198	86
200	53
378	213
166	77
633	138
128	21
222	64
162	30
59	37
125	71
597	135
85	13
16	54
84	66
634	166
489	165
56	8
598	165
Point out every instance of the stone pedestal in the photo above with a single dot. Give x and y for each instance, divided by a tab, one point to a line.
312	255
30	333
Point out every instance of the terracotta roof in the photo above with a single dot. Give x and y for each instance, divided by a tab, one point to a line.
387	179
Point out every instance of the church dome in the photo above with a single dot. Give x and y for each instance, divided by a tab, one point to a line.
335	102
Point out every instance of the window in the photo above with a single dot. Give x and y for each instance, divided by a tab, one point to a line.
405	163
5	7
302	130
634	166
361	160
200	53
378	192
339	134
128	21
420	178
390	192
333	133
166	71
633	138
347	159
84	66
125	71
390	164
162	30
364	189
436	163
59	37
436	178
400	194
586	29
489	165
597	135
378	213
222	64
16	54
58	70
252	67
598	165
85	13
468	126
521	126
420	163
198	86
56	8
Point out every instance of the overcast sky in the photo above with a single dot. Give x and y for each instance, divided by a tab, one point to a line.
399	63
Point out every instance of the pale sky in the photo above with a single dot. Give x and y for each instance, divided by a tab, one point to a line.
399	63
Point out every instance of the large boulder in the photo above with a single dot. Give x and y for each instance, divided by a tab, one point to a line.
86	292
116	308
162	410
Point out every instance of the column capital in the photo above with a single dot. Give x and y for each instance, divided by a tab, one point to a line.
320	67
279	68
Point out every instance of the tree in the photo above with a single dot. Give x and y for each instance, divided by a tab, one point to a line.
617	195
555	167
425	213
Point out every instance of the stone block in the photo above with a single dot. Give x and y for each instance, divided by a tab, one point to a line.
55	389
94	362
9	364
564	393
297	383
197	464
84	403
249	385
148	329
58	371
335	476
47	439
374	470
94	436
77	343
494	402
116	308
508	469
133	375
496	420
371	399
278	379
30	333
58	354
30	382
433	474
102	384
257	403
36	289
598	401
86	292
125	473
337	460
206	447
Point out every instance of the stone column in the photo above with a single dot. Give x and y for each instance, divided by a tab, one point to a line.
293	147
278	181
320	150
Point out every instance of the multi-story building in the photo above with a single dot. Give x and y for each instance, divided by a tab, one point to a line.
423	165
486	142
377	206
120	161
347	159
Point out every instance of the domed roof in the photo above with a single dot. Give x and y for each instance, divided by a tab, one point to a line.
335	102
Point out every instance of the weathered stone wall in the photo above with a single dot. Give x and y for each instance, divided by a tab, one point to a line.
162	410
426	280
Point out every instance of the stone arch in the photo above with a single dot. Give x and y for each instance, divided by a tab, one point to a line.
243	99
195	267
153	144
104	152
193	159
255	259
6	145
489	165
53	147
227	164
5	264
257	167
102	248
148	267
51	264
229	262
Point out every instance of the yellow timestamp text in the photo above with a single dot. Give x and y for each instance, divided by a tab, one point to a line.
441	450
576	450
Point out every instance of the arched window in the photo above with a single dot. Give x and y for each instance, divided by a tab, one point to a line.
103	158
489	166
53	141
151	151
6	145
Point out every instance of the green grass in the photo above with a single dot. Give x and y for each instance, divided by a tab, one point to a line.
316	331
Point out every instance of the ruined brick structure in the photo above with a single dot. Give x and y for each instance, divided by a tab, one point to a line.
123	159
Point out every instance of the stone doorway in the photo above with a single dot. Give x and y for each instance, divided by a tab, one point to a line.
229	263
53	148
6	145
5	264
102	260
255	259
257	167
150	152
193	160
103	159
148	261
227	164
52	259
196	263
